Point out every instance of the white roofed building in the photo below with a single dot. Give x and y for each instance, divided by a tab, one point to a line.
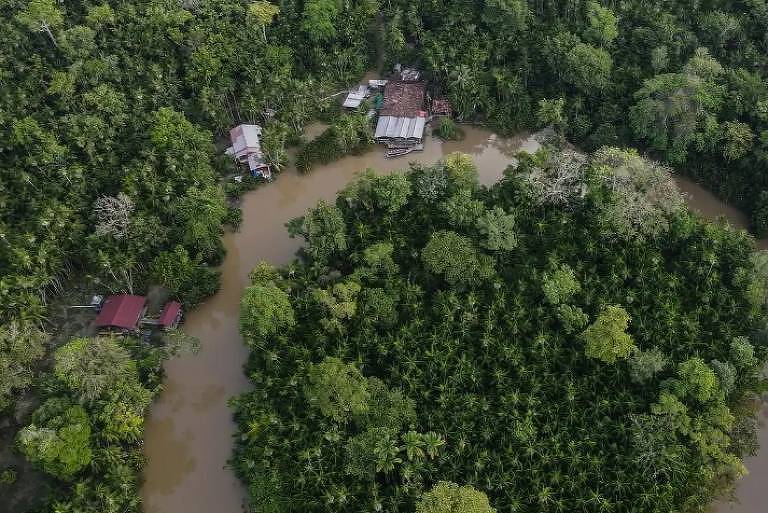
356	97
246	149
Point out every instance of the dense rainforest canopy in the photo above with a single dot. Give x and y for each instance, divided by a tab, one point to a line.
684	78
110	181
572	339
112	115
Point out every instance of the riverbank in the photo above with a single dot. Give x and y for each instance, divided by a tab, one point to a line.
189	431
188	437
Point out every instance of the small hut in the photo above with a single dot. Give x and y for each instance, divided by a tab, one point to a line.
441	107
356	97
246	149
121	313
170	317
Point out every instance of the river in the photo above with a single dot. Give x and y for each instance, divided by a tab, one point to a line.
189	430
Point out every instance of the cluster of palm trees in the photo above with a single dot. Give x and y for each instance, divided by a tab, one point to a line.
489	367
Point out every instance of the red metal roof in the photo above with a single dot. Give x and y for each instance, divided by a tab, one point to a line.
170	314
121	311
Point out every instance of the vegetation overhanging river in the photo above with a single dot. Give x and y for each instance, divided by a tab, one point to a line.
189	431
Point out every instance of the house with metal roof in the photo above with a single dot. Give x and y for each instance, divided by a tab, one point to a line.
170	317
356	97
246	149
402	117
122	312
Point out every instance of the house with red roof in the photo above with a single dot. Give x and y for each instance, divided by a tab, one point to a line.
121	313
170	317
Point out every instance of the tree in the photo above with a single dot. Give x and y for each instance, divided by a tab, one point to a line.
320	19
455	258
559	286
550	113
265	311
497	229
645	196
555	178
337	389
21	346
91	367
114	215
263	13
606	338
645	365
461	171
324	230
579	64
385	194
696	379
201	213
602	24
43	16
737	139
188	279
672	108
446	497
506	18
59	438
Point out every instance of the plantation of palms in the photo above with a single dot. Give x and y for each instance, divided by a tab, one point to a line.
572	339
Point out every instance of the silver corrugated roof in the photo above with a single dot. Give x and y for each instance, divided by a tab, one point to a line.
404	128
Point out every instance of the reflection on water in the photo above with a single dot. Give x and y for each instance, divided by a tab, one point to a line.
190	428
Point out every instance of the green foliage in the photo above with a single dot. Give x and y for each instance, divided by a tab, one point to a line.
337	389
377	194
263	13
446	497
606	338
696	379
560	285
602	25
59	439
405	369
455	258
448	130
265	311
324	231
550	113
8	477
188	279
21	346
349	133
91	366
319	19
461	171
497	229
645	365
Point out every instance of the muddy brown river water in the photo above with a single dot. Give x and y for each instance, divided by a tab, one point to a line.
189	430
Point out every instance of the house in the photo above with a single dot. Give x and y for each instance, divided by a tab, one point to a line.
356	97
121	313
170	317
246	148
402	117
441	107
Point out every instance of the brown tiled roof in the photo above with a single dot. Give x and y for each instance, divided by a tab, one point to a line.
403	99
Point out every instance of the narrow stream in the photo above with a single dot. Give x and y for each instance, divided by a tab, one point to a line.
189	431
